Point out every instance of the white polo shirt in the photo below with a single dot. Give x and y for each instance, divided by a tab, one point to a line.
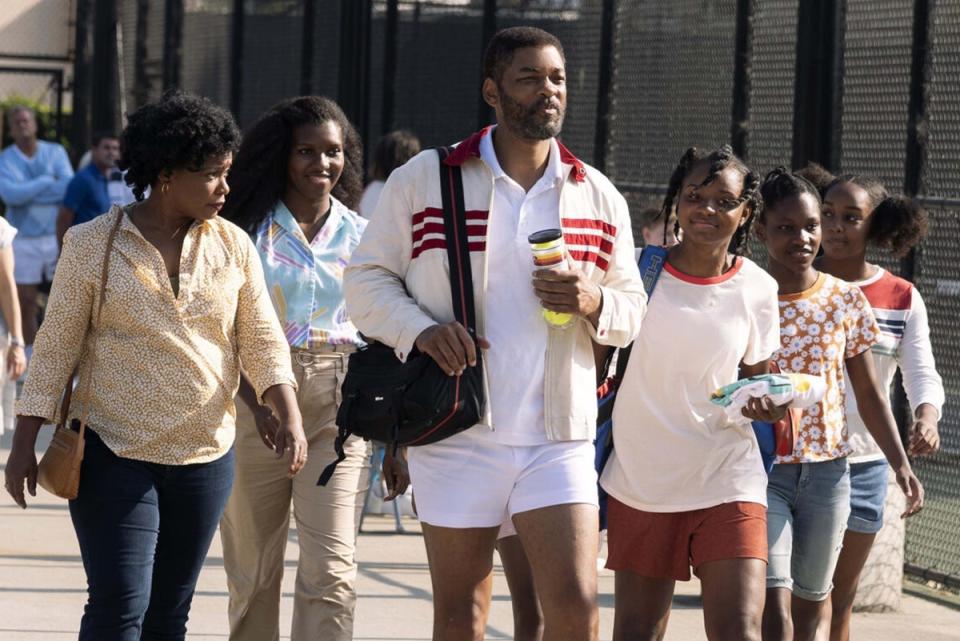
514	323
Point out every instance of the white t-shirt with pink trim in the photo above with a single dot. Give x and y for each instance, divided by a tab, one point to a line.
675	451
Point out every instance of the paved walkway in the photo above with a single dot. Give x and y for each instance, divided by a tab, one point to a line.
42	588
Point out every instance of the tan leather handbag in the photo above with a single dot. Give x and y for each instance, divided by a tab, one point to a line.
59	469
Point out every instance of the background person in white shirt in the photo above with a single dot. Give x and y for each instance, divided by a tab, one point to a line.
392	150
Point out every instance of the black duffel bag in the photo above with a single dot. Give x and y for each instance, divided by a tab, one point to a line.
415	402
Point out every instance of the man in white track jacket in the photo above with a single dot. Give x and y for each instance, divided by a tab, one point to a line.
530	463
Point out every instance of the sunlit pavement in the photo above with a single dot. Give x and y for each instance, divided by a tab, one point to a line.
42	587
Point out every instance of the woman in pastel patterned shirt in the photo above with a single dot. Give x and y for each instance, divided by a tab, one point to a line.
297	173
184	305
826	329
858	212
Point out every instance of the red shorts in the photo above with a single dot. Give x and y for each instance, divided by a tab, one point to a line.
663	545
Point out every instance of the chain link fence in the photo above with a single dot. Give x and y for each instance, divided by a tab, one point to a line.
646	80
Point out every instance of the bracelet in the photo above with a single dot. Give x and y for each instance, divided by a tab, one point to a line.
17	342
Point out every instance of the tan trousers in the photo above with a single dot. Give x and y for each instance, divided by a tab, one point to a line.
254	528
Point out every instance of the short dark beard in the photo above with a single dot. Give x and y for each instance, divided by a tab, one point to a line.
526	123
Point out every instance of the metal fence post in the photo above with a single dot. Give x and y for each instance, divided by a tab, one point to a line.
82	82
172	43
141	82
818	89
391	26
742	77
104	106
484	111
353	89
601	140
306	47
236	58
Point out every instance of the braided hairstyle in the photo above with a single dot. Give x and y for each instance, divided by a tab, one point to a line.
258	178
780	184
719	159
179	131
898	223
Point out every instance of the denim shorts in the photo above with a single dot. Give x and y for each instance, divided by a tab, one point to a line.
807	509
868	492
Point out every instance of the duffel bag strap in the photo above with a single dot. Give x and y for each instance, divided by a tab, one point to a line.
458	245
343	433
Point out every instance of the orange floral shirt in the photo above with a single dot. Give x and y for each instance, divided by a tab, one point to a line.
820	328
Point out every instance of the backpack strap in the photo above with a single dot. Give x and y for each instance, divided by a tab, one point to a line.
652	260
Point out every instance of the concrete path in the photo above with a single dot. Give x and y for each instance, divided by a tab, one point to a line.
42	587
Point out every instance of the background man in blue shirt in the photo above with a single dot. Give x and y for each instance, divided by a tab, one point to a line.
88	194
33	179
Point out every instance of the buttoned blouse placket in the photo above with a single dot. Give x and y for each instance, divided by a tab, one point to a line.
159	268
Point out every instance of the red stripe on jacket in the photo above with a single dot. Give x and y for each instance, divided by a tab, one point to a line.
603	243
590	223
433	212
590	257
441	243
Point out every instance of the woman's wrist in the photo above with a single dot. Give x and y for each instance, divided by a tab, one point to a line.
16	341
282	399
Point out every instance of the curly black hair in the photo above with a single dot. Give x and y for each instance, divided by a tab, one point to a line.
179	131
817	175
720	159
781	183
259	175
898	223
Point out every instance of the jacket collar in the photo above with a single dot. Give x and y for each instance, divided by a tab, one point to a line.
470	148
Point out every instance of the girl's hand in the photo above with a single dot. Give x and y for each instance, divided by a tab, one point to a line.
912	489
763	409
16	362
924	438
395	472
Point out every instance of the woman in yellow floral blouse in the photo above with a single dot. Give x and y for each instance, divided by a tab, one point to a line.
185	305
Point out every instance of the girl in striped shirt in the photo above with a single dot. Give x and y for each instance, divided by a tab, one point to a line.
859	213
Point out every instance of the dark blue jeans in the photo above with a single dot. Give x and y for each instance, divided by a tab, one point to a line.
144	530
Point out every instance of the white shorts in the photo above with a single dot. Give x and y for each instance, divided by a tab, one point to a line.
469	481
34	259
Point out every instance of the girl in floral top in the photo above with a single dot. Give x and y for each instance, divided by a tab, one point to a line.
298	173
825	325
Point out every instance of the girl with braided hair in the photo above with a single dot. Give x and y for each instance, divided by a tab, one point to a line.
296	177
686	484
858	212
826	329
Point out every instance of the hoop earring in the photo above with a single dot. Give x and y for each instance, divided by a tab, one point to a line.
164	188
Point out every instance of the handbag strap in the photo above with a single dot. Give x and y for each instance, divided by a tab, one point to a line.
91	347
457	241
